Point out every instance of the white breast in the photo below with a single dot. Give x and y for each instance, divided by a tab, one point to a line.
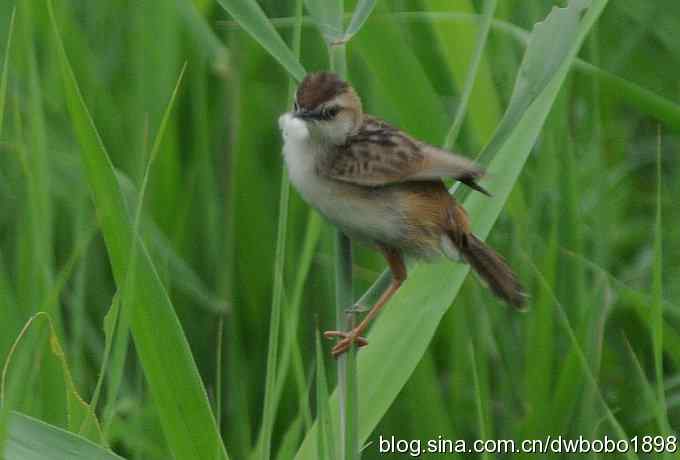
354	213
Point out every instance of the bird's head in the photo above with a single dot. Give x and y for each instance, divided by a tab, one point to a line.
329	107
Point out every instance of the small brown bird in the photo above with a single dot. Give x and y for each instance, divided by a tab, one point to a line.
380	186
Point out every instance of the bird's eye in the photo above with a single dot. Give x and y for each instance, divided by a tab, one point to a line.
329	112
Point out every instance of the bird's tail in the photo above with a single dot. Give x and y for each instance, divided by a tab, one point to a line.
493	270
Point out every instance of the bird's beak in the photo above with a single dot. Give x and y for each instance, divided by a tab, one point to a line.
305	114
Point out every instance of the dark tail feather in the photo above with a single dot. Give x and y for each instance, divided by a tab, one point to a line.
472	183
494	271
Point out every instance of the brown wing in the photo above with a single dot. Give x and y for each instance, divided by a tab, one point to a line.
380	154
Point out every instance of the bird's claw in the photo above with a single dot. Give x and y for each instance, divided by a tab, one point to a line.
348	338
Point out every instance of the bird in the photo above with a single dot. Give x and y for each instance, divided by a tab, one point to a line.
383	188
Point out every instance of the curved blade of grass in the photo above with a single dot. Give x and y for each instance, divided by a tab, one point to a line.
544	55
31	439
361	13
5	68
404	330
184	410
77	412
253	20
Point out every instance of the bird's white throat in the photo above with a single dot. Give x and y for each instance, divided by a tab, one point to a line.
298	148
356	215
298	151
293	129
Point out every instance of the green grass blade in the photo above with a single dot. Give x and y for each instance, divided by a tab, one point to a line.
111	320
327	16
429	121
5	68
185	416
584	364
253	20
458	47
325	439
183	276
642	98
653	404
290	440
348	407
656	319
31	439
361	13
269	410
271	399
304	263
479	404
209	41
402	334
487	16
544	56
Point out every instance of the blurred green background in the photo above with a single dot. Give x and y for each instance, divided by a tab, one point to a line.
580	226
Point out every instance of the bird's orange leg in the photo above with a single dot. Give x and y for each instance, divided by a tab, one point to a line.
398	269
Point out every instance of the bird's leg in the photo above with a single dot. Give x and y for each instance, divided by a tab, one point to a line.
398	269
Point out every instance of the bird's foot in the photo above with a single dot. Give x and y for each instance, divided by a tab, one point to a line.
348	338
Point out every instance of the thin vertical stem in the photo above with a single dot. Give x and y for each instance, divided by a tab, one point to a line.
344	298
338	55
270	399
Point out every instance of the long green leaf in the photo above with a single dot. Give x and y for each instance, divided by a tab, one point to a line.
173	378
405	329
253	20
31	439
544	56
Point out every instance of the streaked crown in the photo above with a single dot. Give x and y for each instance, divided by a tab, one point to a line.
318	88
